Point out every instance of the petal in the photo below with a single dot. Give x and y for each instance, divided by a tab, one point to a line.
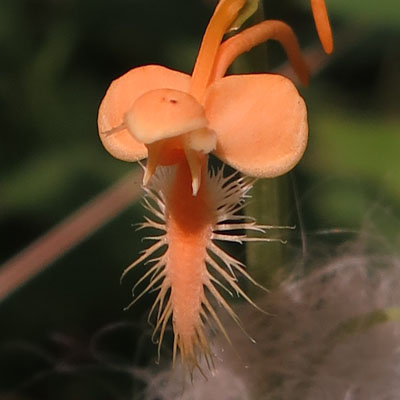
260	122
119	99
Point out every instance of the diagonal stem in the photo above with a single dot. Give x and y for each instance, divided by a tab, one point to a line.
68	233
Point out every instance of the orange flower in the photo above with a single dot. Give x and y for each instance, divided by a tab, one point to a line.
255	123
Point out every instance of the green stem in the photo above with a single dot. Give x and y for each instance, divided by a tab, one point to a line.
269	204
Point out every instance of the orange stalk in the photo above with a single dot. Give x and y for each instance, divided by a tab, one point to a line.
251	37
223	16
322	24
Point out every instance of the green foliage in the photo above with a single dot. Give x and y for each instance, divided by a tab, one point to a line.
378	13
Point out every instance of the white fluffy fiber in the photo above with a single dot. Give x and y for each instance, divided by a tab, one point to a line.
311	348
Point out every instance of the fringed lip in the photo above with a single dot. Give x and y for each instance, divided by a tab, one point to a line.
193	271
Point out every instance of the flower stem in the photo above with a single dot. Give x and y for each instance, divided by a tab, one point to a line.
269	203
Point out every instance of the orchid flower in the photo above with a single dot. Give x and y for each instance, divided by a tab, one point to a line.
254	123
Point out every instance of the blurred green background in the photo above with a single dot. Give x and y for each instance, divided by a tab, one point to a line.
65	335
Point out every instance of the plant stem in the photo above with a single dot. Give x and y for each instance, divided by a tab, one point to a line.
269	203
